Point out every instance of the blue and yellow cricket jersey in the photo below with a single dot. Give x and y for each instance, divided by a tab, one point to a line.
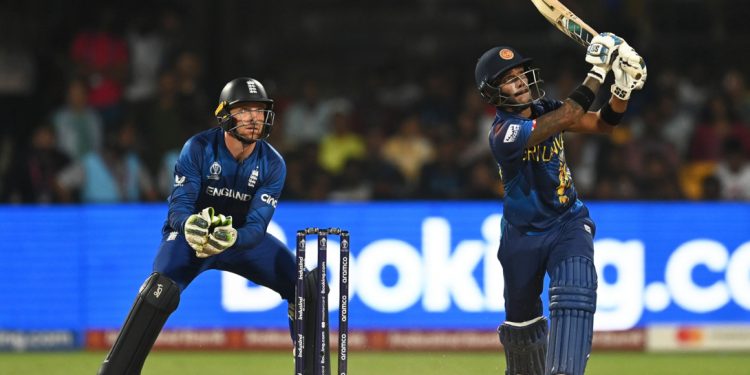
538	185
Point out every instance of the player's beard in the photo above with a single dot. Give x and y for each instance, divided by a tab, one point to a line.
245	140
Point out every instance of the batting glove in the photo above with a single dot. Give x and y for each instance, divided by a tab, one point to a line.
630	73
222	238
601	53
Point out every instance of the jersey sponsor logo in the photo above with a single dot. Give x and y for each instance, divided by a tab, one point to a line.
179	180
253	178
512	134
228	193
215	171
269	200
172	236
587	228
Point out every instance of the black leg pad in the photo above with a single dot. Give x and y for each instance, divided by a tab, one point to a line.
157	299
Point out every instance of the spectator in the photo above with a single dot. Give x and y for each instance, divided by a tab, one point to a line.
735	88
112	175
719	123
340	146
307	119
101	57
78	126
33	173
439	106
733	172
658	181
162	122
385	178
442	178
146	47
676	123
409	149
196	111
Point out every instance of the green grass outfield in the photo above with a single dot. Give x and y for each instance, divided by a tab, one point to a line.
373	363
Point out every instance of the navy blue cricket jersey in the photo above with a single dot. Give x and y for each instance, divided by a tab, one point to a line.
207	175
538	185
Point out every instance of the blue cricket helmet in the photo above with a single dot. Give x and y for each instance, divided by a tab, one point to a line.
493	63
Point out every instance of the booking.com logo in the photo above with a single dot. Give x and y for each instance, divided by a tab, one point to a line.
438	277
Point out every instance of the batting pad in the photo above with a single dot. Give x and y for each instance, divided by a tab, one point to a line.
572	296
525	347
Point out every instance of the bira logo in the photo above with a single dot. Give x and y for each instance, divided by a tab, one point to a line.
215	171
159	288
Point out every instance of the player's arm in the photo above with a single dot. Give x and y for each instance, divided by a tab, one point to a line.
594	122
567	115
630	74
570	114
187	184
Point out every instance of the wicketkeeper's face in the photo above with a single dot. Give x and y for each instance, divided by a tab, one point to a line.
249	118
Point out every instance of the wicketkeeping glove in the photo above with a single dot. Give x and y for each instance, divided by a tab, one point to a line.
197	227
222	238
601	54
630	73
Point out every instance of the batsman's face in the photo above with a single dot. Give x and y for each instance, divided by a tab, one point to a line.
515	85
249	118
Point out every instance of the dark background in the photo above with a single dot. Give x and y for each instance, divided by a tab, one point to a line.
389	61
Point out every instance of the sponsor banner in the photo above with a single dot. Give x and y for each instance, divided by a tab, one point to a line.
699	338
630	340
22	341
424	266
395	340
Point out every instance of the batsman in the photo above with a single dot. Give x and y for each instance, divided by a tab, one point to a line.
227	182
545	228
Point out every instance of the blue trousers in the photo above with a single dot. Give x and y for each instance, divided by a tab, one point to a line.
525	257
269	264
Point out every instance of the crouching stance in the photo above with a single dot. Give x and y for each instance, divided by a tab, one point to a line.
227	182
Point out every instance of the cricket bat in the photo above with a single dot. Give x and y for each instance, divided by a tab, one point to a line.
566	21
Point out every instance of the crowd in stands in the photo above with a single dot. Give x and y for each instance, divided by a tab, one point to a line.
125	99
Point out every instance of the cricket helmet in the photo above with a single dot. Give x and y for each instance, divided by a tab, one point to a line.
493	64
244	90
